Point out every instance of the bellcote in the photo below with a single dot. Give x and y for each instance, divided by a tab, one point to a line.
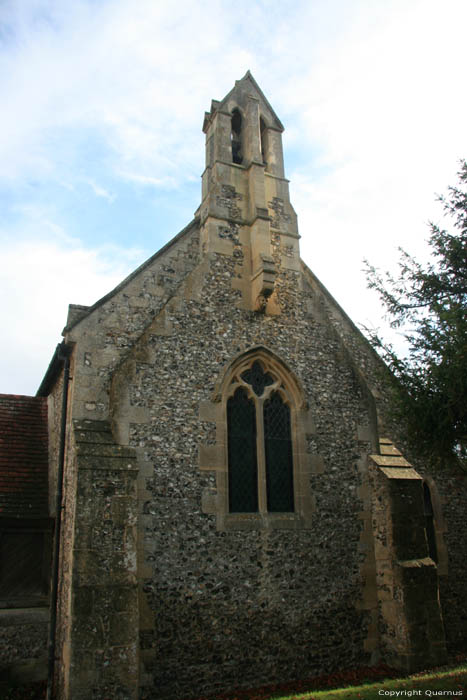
245	196
253	129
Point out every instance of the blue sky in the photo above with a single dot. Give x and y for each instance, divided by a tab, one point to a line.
101	150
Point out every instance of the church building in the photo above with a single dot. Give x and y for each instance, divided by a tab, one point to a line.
233	503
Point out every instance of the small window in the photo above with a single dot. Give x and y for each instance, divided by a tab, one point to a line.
24	563
260	455
236	137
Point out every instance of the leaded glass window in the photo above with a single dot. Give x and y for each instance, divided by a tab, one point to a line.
243	473
258	378
278	452
260	451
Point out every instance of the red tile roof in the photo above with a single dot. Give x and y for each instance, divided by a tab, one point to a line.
23	456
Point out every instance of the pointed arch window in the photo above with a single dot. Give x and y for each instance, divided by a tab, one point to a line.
243	471
236	137
264	140
259	457
259	437
278	455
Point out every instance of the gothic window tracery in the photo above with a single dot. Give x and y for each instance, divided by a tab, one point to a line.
260	453
258	379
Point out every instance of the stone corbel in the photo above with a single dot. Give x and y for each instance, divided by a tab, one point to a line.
262	282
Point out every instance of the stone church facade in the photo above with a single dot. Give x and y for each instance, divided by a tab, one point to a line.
236	507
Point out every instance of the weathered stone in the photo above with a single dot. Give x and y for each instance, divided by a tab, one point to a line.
164	591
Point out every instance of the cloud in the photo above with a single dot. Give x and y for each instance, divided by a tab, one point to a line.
165	182
39	279
133	78
381	118
101	191
112	95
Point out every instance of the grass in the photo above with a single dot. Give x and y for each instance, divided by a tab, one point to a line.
450	679
453	682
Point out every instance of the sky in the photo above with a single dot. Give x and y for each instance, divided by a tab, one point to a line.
101	148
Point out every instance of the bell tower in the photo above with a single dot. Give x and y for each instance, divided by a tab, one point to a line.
245	196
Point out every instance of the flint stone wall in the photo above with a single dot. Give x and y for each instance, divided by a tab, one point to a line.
256	606
223	609
451	484
23	645
452	488
107	331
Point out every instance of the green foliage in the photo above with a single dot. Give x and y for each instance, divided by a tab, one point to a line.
429	303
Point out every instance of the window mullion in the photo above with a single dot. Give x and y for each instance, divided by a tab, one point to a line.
261	456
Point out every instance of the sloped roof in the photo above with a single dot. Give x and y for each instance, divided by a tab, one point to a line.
87	310
23	456
249	78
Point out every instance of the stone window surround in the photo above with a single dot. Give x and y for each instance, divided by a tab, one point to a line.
215	457
258	401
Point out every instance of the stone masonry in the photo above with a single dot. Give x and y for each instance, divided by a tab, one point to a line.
165	590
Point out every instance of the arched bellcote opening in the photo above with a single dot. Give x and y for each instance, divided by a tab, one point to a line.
236	137
264	140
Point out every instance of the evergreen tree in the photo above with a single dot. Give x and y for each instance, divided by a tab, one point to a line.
429	303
